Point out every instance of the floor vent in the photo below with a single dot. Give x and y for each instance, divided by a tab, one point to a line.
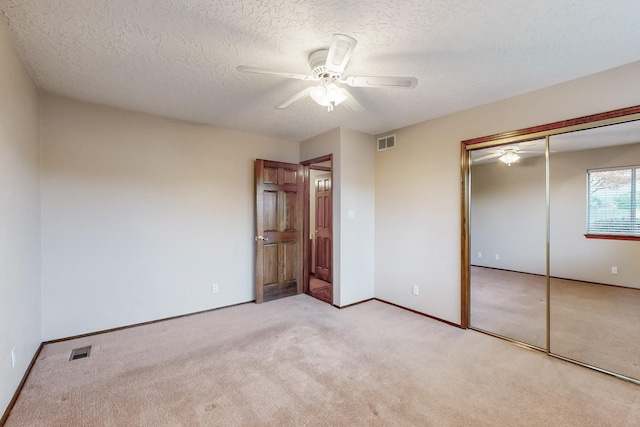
386	142
80	353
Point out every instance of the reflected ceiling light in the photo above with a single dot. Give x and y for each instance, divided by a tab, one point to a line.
328	95
509	157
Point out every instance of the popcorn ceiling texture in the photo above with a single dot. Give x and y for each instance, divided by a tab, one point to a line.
177	58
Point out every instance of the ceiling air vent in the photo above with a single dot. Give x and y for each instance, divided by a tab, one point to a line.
386	142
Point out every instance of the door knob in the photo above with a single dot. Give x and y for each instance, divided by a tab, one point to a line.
262	238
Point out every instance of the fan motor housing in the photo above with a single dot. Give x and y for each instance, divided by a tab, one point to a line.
317	62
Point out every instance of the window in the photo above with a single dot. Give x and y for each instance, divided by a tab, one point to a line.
612	204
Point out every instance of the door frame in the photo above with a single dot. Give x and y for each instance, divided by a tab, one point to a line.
520	135
537	132
307	164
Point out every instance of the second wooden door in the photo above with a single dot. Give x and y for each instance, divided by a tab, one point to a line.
323	227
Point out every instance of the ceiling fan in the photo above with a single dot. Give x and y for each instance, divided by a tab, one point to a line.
327	68
508	155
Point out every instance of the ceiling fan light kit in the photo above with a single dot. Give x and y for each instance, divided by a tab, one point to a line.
328	95
510	154
509	157
328	67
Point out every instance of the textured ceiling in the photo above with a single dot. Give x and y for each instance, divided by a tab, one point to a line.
177	58
587	139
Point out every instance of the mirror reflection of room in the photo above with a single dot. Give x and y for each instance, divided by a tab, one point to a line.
595	247
508	240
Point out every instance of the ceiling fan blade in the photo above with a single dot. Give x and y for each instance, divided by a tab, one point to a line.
297	97
351	103
539	143
339	52
487	157
246	69
384	81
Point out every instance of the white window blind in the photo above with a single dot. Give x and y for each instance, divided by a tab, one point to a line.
612	203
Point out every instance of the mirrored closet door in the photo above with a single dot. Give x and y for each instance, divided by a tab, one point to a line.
551	239
507	227
594	266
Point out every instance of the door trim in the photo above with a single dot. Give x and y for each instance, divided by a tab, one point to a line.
308	165
537	132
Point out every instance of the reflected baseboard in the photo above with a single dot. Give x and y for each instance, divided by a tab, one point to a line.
555	277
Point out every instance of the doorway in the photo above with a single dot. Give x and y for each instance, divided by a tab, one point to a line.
318	268
294	229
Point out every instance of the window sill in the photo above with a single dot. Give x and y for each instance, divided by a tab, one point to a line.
611	237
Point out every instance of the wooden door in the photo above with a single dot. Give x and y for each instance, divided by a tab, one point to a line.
323	227
279	215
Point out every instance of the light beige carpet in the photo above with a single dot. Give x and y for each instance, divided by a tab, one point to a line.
597	324
510	304
299	361
590	323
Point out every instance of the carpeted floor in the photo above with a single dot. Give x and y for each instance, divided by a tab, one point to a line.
510	304
298	361
590	323
597	324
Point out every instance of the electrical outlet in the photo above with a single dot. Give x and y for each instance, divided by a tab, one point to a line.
479	254
13	357
497	257
416	290
214	288
614	270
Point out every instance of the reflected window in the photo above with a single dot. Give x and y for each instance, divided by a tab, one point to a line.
612	204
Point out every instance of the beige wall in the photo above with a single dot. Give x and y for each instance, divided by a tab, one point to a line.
418	204
508	218
141	215
353	190
508	215
19	219
572	255
357	215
